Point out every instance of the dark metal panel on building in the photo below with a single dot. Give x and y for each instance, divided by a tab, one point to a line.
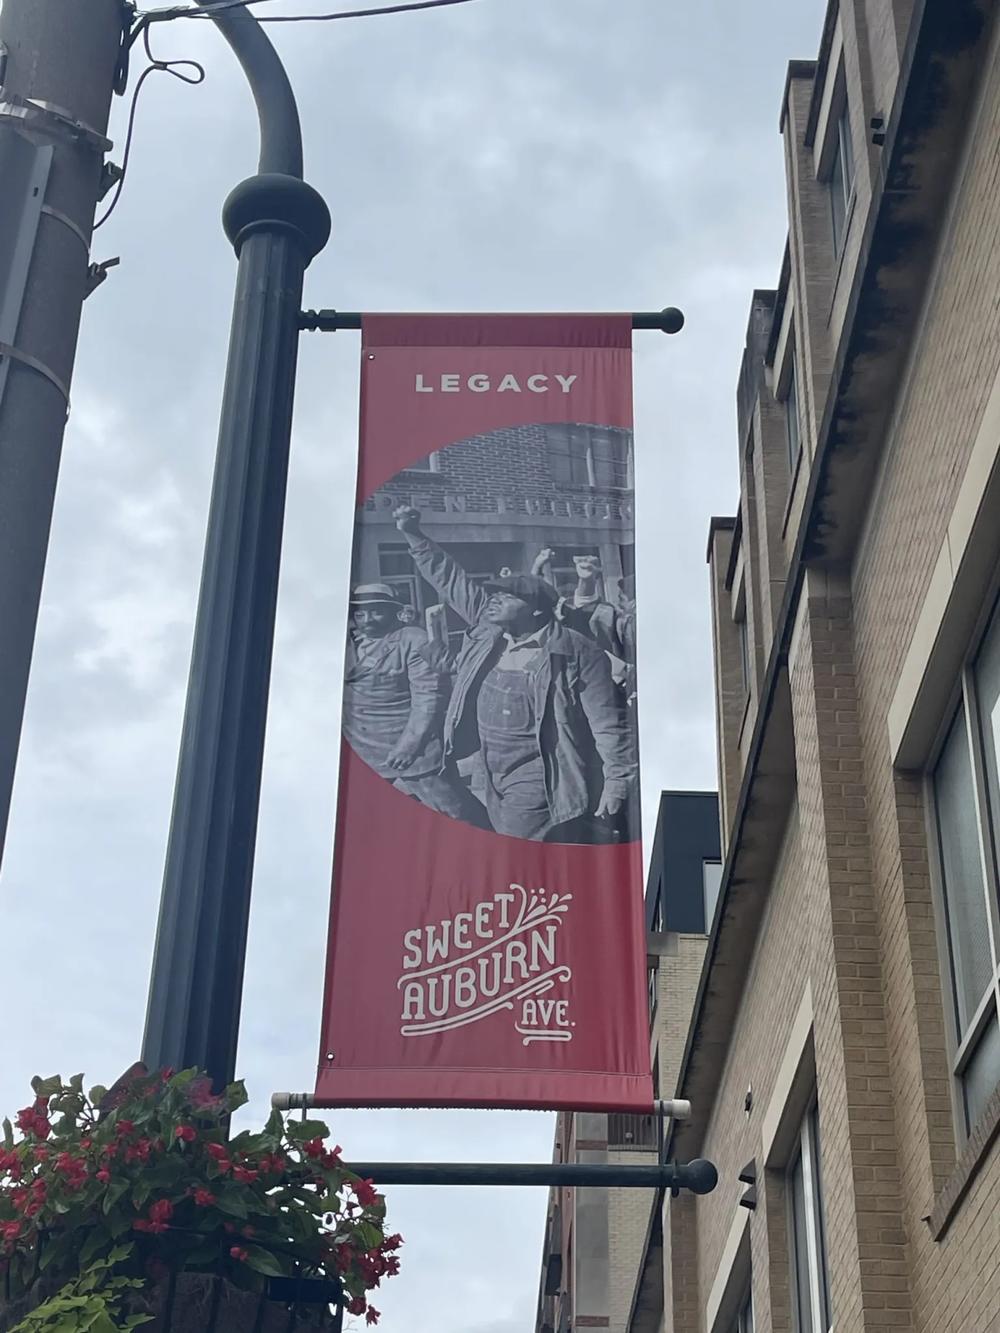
686	840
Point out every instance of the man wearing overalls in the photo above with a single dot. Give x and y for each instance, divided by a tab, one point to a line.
537	702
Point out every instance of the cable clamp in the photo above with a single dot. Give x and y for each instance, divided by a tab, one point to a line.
32	362
48	121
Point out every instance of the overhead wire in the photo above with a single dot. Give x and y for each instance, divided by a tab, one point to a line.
175	12
176	68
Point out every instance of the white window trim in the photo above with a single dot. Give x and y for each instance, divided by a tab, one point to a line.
813	1206
829	106
962	1045
730	1282
959	585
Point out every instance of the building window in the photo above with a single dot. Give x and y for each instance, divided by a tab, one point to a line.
711	873
810	1282
841	181
744	1319
793	429
744	642
591	456
966	803
431	463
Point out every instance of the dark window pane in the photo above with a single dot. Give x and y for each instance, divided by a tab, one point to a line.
817	1164
846	150
988	697
962	873
800	1251
610	457
982	1073
792	420
838	198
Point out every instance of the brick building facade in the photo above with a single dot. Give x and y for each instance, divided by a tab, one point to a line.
843	1056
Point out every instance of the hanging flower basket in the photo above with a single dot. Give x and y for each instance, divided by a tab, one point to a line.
137	1206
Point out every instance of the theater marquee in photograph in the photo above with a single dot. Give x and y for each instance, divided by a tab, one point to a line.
486	936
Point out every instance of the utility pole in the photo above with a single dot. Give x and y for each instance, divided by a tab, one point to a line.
58	66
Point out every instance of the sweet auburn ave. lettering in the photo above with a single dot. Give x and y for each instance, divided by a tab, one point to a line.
503	951
482	383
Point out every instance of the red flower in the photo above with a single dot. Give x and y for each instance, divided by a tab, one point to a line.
124	1127
272	1163
238	1252
392	1242
357	1306
373	1315
203	1198
104	1175
186	1133
161	1211
365	1193
217	1150
244	1175
10	1230
314	1148
41	1154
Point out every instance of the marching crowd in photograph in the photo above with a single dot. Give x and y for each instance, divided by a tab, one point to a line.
528	727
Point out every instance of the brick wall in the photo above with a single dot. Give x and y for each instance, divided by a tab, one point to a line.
849	908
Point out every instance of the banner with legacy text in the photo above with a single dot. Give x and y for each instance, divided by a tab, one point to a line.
486	935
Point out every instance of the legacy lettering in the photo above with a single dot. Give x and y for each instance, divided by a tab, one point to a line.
479	383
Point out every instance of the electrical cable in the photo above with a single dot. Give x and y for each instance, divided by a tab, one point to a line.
173	67
159	14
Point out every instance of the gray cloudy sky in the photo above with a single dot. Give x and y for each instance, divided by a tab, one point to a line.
504	155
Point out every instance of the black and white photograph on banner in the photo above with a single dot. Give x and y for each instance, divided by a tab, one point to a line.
490	669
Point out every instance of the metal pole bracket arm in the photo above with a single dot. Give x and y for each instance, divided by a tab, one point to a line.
43	120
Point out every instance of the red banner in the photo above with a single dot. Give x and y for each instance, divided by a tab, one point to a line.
486	939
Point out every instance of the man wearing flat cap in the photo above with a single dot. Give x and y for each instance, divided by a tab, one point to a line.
395	698
536	701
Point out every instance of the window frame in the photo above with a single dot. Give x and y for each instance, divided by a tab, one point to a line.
842	154
807	1151
793	413
962	1045
592	463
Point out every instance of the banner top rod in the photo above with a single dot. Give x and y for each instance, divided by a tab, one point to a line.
668	320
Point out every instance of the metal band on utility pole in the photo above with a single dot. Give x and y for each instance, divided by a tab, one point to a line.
57	76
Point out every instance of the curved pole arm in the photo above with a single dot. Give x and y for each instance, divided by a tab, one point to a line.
280	132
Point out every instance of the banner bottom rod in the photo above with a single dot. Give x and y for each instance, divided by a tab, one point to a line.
698	1176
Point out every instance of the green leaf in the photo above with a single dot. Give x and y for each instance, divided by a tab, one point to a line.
8	1134
301	1131
95	1241
97	1094
370	1236
48	1087
233	1202
76	1083
262	1261
235	1095
112	1194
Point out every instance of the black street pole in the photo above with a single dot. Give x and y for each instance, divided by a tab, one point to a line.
277	224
